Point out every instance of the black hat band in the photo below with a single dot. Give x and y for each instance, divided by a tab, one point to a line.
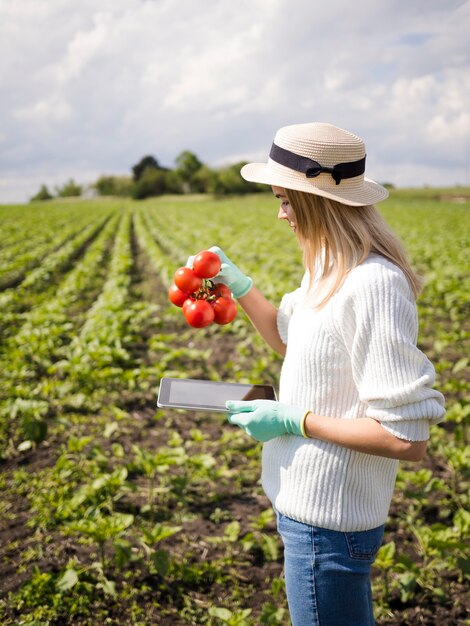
312	168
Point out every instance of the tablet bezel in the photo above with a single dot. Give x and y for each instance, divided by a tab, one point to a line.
163	399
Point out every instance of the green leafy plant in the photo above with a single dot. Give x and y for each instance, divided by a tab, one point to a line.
231	618
151	537
102	529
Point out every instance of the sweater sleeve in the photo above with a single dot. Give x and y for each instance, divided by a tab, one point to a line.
288	303
393	377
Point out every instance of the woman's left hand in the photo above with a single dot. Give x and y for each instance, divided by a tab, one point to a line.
266	419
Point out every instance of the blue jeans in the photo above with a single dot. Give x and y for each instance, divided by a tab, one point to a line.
327	574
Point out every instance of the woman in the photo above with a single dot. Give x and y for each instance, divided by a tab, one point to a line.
355	392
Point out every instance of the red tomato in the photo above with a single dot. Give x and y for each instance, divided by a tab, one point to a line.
225	310
199	313
222	290
186	303
187	280
206	264
177	296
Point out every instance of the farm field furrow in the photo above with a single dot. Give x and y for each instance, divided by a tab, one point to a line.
16	226
180	349
113	511
50	268
40	286
29	353
17	260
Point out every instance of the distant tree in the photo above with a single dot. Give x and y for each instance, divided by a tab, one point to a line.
188	165
71	188
147	162
105	186
189	176
205	180
173	182
42	194
114	185
151	183
229	180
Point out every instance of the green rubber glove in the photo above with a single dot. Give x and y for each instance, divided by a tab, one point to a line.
266	419
231	275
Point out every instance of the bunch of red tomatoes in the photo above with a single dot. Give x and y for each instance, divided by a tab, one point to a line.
203	301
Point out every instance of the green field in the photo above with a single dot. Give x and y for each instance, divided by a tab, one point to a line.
114	512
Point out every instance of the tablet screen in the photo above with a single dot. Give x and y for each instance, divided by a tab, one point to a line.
210	395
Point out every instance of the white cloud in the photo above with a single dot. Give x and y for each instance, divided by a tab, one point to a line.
53	108
91	87
85	46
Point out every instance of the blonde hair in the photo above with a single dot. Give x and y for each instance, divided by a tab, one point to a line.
345	235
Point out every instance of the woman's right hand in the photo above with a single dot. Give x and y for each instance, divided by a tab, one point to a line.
229	274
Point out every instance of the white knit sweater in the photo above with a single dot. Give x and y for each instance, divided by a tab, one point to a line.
356	357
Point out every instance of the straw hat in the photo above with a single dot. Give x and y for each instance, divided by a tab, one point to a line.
321	159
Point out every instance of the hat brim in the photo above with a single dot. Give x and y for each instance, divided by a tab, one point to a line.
349	192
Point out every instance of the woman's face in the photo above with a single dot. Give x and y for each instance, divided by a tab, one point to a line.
286	212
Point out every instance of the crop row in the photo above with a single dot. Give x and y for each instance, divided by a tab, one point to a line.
175	351
248	231
247	358
29	391
126	503
53	263
130	507
161	513
19	255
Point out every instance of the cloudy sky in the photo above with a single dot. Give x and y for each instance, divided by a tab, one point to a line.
90	87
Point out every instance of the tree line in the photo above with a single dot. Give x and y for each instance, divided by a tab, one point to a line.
149	178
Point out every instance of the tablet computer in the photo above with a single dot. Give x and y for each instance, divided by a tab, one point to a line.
208	395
